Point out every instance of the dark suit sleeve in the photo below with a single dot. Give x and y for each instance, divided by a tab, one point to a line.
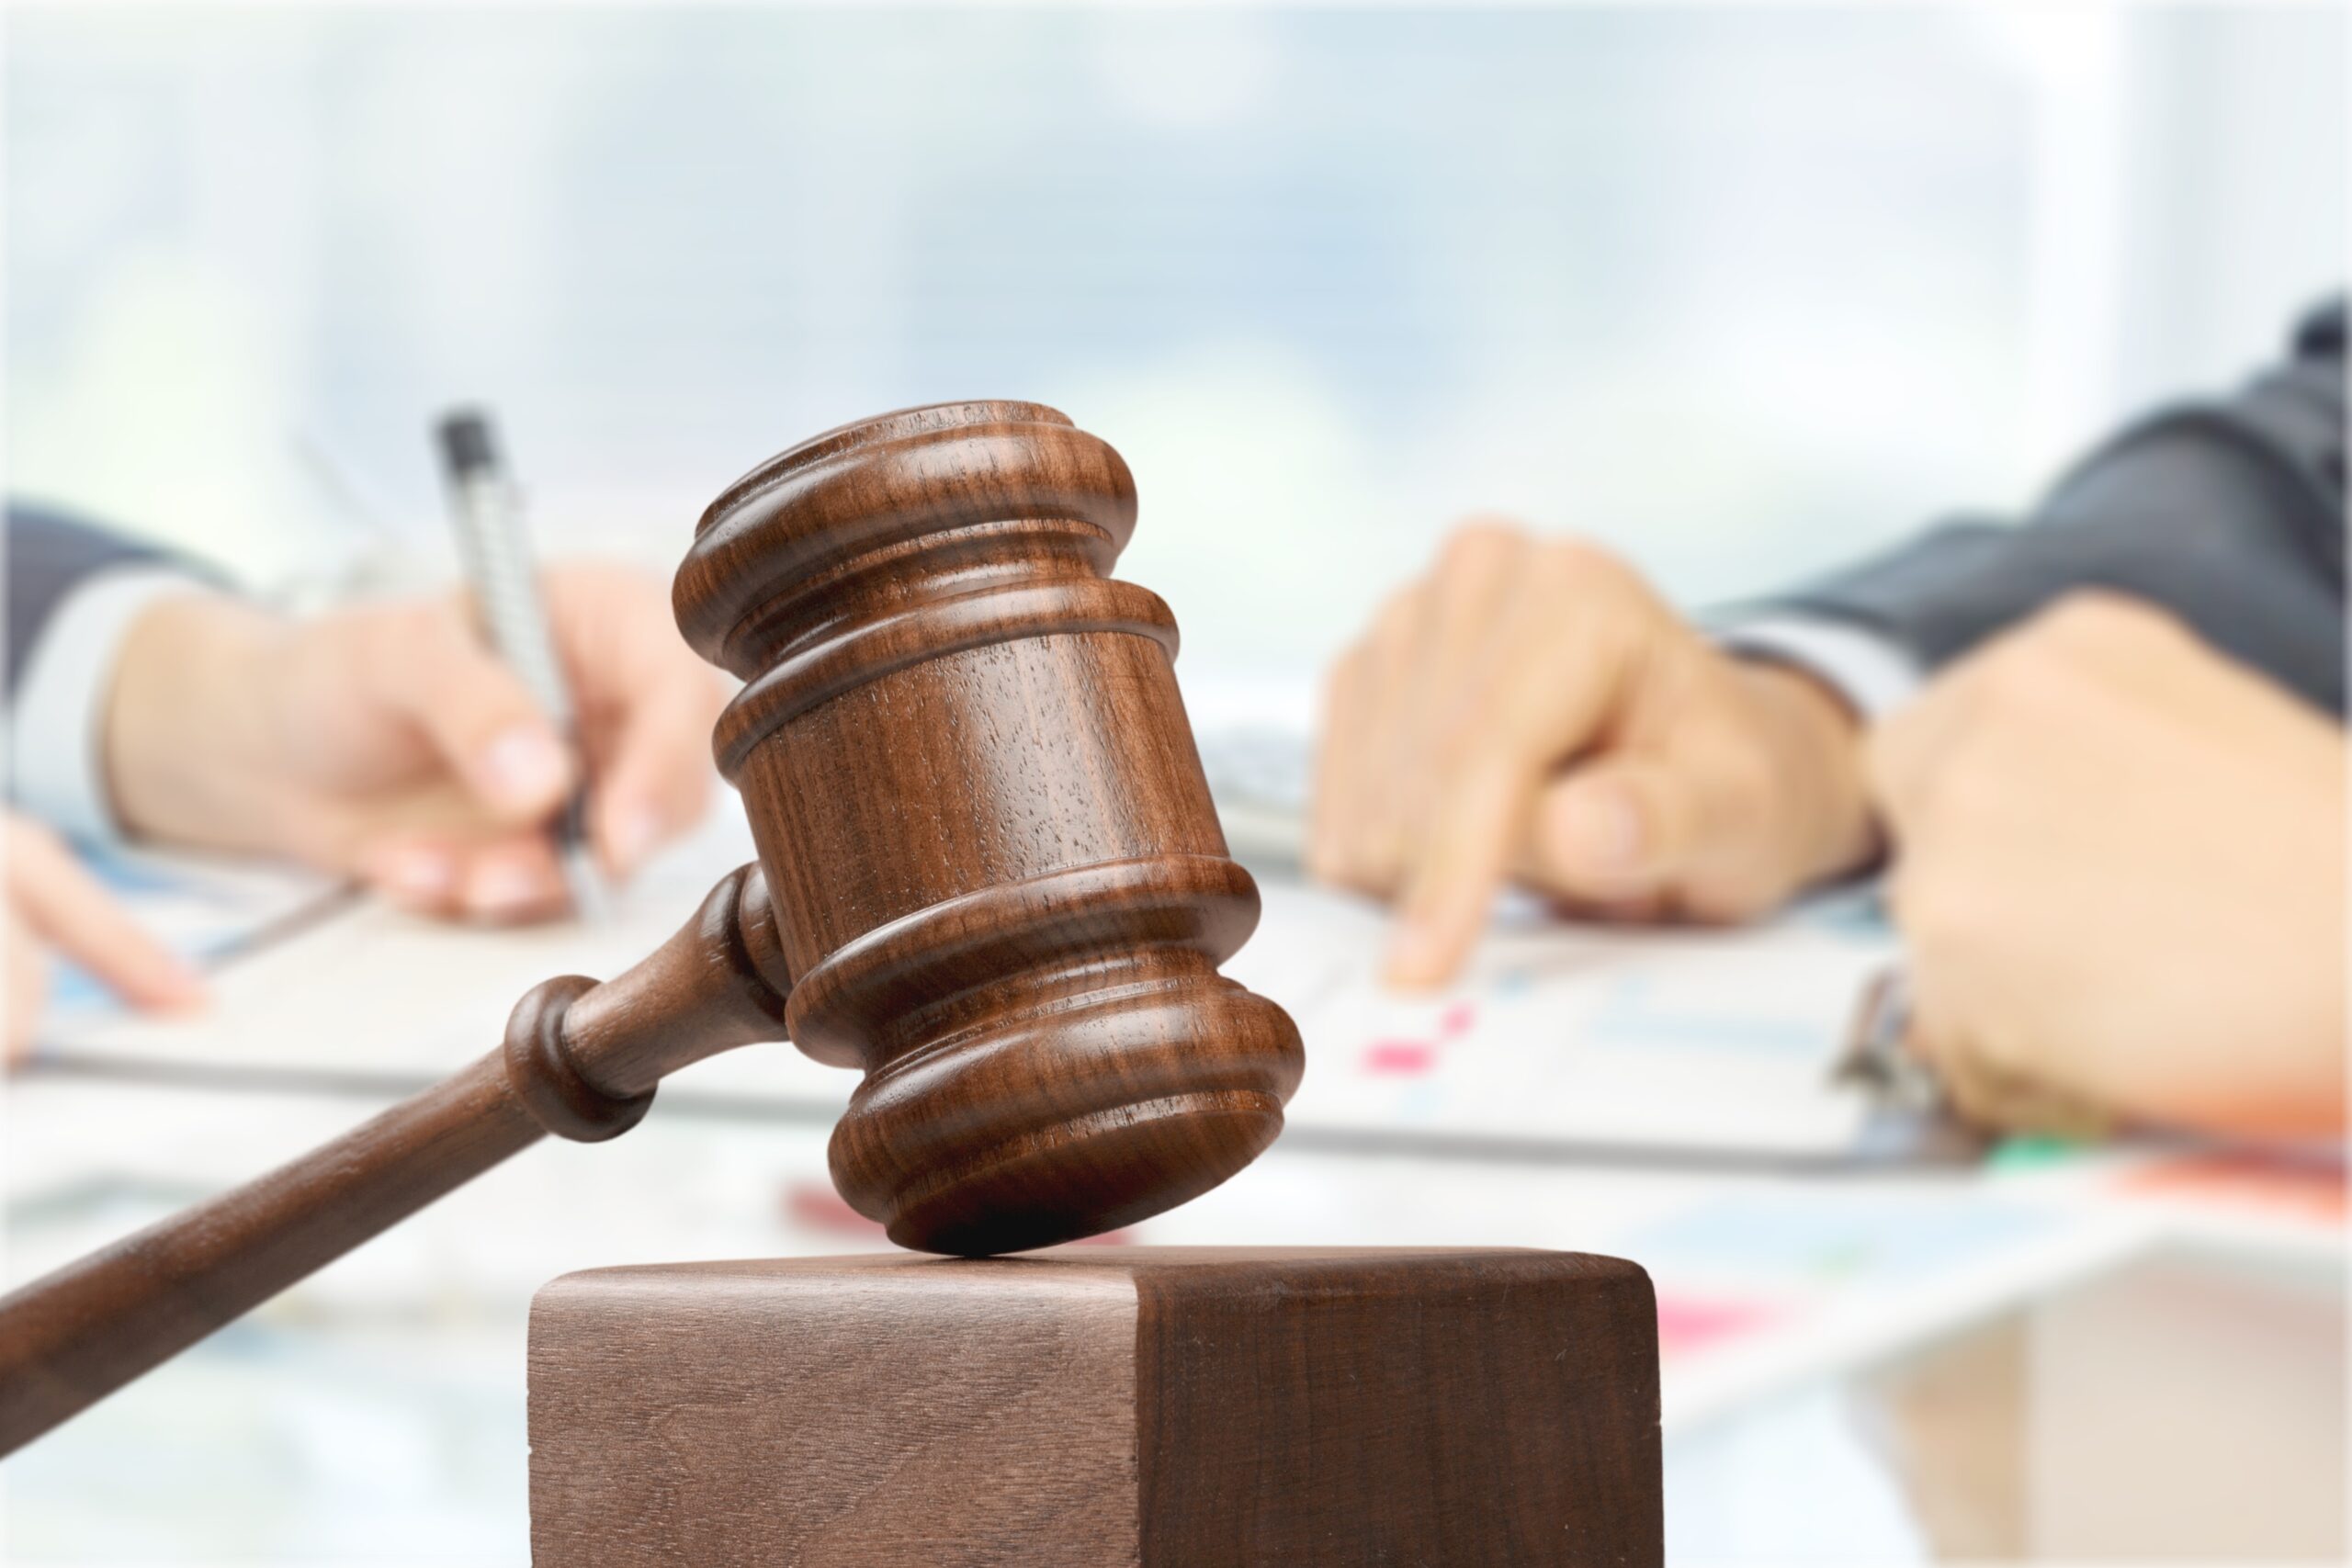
48	555
2229	513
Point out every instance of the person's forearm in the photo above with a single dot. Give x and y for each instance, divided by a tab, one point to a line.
50	556
2227	512
2186	522
188	752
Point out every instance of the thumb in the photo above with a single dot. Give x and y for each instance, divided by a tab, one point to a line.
1622	828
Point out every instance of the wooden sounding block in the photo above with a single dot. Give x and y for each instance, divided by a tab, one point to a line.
1093	1407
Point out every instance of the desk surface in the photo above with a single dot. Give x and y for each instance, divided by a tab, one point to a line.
375	1414
1926	1364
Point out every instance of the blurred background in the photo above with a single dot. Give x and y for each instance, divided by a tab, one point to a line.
1742	290
1738	290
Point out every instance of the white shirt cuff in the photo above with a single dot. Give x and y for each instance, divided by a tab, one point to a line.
57	724
1874	674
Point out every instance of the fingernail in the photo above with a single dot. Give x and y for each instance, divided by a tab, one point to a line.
185	983
634	834
416	875
1412	956
497	889
1606	829
524	766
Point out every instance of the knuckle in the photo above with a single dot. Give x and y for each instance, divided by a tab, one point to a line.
2015	675
1478	540
1600	581
2032	702
2097	618
1574	555
2091	612
2020	677
1394	620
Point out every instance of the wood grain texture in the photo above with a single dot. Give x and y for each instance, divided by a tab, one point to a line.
834	1413
580	1061
1100	1407
88	1328
995	867
1451	1407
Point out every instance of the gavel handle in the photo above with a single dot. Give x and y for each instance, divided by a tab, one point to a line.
82	1332
580	1060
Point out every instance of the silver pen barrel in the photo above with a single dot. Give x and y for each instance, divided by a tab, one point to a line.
494	547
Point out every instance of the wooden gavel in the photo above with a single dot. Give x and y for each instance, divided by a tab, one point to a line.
988	875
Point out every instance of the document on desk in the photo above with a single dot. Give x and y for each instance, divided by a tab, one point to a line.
1566	1037
376	1001
206	909
1574	1037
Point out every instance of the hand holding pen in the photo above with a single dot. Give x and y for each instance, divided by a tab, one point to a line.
611	692
388	743
487	515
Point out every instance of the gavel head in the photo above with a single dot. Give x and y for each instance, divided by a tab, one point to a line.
997	881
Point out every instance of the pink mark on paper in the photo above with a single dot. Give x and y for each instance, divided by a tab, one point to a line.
1403	1057
1686	1323
1410	1058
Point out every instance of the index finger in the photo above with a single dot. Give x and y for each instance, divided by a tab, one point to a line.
1458	867
1543	693
70	910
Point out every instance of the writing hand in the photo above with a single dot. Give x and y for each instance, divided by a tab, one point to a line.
388	743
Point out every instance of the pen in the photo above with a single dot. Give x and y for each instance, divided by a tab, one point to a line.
1874	1056
488	518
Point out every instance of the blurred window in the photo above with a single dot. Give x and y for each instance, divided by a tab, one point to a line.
1741	289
